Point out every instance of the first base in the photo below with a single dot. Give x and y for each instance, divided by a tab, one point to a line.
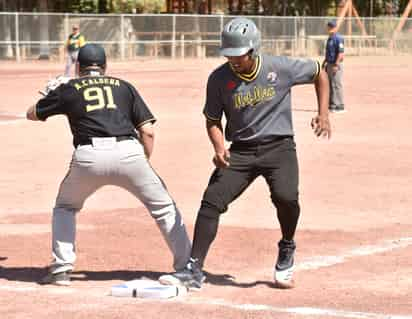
143	288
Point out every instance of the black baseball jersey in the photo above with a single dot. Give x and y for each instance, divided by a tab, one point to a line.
96	106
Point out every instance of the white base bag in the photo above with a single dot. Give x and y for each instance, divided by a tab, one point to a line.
143	288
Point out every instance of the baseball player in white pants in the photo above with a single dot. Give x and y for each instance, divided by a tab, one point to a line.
104	113
109	162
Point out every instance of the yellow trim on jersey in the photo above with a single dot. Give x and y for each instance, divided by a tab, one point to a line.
251	76
318	68
208	117
145	122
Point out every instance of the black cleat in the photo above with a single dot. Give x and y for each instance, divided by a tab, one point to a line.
285	264
190	277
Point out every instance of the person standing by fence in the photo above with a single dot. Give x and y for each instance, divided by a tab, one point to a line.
334	67
73	44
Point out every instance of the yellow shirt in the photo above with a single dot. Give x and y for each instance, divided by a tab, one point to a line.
75	42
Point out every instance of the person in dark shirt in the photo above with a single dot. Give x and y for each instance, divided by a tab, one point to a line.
334	67
253	92
104	113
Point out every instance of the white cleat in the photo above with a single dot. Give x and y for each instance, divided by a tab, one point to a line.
170	280
284	278
285	264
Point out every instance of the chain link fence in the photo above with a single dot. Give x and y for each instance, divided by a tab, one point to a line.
25	36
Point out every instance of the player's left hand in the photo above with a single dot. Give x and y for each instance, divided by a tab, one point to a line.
321	126
54	83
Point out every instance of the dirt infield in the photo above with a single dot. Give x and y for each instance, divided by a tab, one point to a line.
354	256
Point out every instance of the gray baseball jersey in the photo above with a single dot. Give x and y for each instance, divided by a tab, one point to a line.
257	106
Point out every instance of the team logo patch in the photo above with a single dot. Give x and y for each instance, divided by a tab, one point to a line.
230	85
272	77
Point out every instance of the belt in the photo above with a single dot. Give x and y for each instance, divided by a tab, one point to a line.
268	141
88	141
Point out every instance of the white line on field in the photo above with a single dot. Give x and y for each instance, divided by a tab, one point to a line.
19	117
21	114
12	288
305	311
10	122
326	261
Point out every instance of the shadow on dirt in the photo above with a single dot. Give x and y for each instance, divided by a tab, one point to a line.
35	274
229	280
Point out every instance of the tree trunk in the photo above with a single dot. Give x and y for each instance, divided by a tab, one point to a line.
44	31
102	6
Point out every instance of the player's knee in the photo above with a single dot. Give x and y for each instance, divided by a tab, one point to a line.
209	210
161	211
61	207
215	200
288	200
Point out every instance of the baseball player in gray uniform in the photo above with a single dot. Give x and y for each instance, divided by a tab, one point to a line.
104	113
253	92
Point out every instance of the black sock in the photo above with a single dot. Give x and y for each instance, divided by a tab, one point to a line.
204	234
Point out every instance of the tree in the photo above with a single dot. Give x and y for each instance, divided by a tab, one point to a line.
44	31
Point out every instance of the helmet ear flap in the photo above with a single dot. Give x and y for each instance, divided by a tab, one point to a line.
253	53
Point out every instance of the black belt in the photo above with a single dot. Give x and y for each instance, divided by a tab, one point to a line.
268	141
88	141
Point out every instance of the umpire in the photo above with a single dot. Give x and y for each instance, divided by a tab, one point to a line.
253	92
104	113
333	62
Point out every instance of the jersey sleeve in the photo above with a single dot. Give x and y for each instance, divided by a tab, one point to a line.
140	111
50	105
303	71
341	44
213	109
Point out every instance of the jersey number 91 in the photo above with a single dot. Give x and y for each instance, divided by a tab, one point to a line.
100	98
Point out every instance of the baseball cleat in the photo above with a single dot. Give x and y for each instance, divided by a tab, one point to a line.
337	110
285	264
190	277
284	278
58	279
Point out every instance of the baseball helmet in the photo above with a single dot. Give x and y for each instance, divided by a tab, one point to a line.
239	36
91	55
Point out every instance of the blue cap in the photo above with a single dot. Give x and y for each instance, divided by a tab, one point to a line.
332	24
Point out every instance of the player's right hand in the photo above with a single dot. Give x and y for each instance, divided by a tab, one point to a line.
321	126
221	159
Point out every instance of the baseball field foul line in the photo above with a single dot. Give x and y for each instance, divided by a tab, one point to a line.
10	122
326	261
18	118
305	311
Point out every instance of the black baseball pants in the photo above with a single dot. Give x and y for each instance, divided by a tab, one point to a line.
277	162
